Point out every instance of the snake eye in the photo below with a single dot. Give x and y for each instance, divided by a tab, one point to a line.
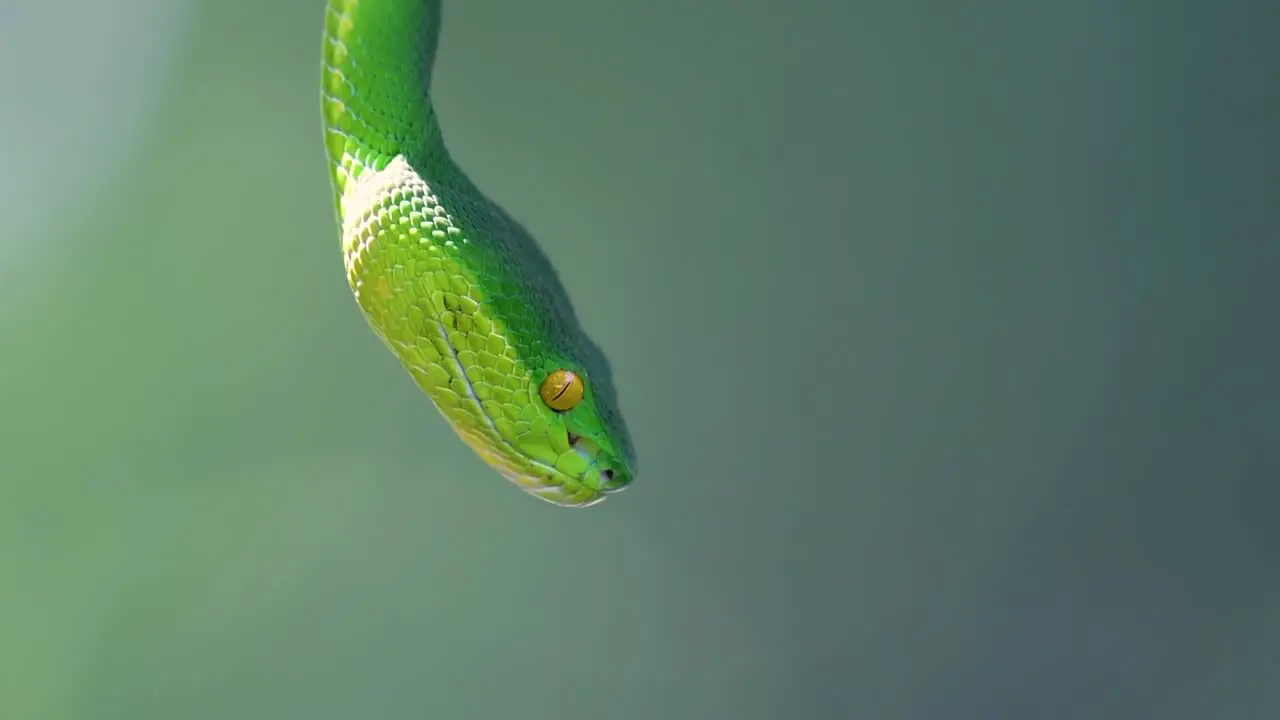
562	390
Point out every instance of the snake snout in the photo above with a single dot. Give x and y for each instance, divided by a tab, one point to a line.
612	479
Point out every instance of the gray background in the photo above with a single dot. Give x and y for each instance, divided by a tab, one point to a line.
945	332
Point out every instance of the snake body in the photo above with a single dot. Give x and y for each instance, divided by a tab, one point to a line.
454	287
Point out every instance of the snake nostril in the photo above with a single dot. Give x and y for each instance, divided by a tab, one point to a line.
573	439
607	473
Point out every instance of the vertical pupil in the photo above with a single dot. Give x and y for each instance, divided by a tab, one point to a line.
564	380
561	390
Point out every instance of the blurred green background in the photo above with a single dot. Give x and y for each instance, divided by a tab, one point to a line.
945	333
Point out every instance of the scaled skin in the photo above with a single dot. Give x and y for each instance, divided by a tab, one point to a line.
453	286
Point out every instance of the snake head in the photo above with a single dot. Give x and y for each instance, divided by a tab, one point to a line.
574	447
561	441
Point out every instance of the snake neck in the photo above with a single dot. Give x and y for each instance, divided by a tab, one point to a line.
378	57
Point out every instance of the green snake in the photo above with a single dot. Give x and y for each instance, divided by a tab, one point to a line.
455	288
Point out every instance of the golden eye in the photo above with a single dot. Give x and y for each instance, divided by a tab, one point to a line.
562	390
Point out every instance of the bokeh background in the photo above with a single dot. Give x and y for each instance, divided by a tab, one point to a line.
946	333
